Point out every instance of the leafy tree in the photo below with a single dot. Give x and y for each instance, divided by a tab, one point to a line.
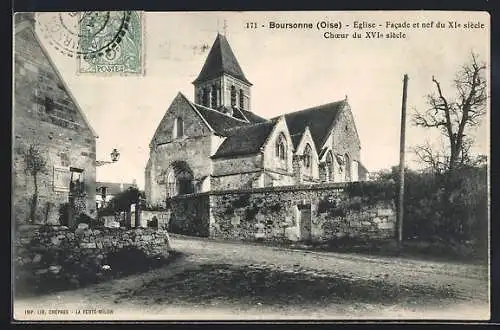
454	116
123	200
35	164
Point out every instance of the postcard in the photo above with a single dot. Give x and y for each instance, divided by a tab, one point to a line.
313	165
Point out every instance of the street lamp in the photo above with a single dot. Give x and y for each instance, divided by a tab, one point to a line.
115	155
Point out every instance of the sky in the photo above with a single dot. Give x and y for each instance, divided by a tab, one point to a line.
291	69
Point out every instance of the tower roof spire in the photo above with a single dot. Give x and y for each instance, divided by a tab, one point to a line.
221	60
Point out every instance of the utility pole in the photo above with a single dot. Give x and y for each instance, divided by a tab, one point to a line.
402	165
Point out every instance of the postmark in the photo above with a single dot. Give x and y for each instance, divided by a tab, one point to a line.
123	57
84	35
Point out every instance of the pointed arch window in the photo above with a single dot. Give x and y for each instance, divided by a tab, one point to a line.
281	147
233	96
242	99
214	104
206	97
308	156
178	127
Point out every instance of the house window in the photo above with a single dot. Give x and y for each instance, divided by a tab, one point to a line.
214	97
233	96
48	104
281	147
307	156
178	127
76	185
242	99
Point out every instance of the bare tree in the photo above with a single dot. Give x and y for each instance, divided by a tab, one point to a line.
455	115
436	159
34	164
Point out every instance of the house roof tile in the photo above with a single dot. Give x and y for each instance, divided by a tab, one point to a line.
252	117
319	119
218	121
244	140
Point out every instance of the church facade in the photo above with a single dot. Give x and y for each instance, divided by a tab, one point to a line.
217	143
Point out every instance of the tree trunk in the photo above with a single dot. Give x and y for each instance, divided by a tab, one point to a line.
34	200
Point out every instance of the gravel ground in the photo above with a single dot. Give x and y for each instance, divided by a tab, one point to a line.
231	280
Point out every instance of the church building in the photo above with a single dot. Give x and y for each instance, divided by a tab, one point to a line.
217	142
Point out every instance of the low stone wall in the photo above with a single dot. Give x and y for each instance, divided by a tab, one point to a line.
67	254
162	217
317	212
309	213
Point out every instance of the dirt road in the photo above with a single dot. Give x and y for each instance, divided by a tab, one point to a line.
233	280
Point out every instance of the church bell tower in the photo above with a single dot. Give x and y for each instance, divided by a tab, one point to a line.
221	84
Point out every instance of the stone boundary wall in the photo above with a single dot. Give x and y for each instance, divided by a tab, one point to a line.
189	214
162	217
315	212
42	250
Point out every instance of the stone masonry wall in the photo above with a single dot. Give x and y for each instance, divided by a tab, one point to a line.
336	210
189	214
163	218
58	251
275	214
45	115
344	139
194	148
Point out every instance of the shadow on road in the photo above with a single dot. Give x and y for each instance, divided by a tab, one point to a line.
208	283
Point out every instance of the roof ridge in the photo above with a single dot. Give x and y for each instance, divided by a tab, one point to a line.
307	109
316	107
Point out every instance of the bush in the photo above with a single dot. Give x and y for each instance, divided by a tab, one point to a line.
450	207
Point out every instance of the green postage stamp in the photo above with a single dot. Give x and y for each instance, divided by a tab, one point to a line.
111	43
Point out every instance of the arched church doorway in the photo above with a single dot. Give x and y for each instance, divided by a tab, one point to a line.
179	179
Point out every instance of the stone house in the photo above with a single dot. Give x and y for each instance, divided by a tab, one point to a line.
48	125
217	143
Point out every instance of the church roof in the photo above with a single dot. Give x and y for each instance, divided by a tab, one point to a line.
244	140
319	119
252	117
218	121
221	60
